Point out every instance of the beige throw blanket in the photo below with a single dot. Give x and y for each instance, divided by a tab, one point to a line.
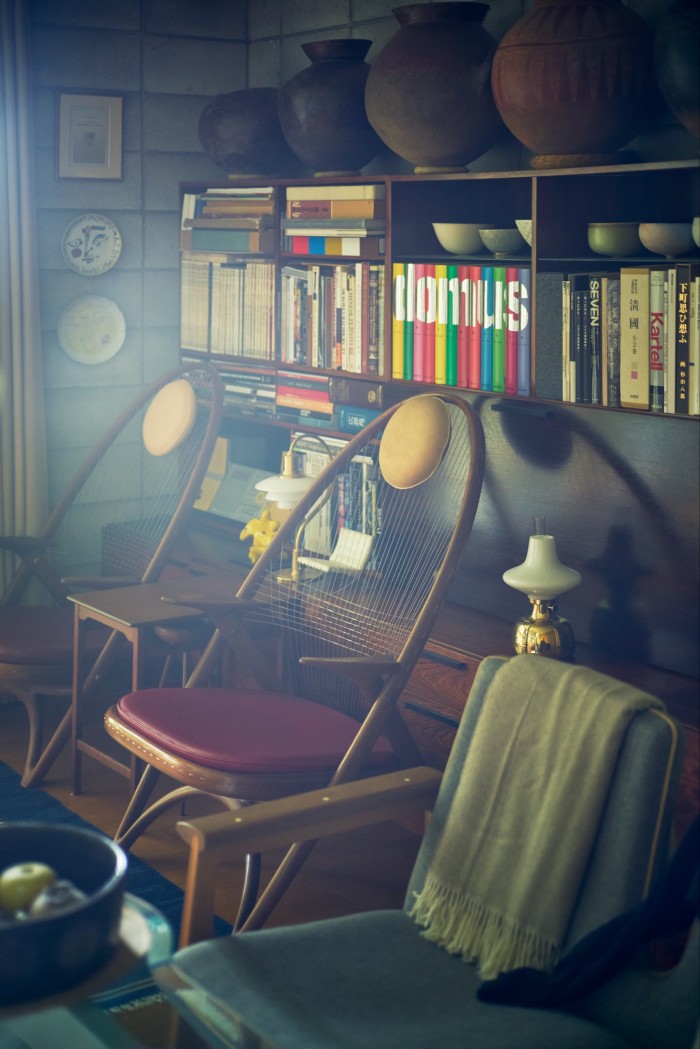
507	870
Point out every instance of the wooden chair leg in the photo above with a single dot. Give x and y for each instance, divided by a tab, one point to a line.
278	884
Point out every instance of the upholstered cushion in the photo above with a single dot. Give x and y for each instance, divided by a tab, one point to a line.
245	730
368	980
38	636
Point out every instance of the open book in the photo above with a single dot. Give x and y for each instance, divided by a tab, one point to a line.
350	553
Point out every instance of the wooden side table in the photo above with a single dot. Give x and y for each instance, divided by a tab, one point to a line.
131	611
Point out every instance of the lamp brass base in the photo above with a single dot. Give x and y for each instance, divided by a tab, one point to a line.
544	634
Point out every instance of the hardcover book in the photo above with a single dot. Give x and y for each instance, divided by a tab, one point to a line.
634	337
440	354
657	282
524	281
452	323
487	320
398	318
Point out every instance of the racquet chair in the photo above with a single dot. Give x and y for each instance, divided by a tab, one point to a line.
328	641
115	524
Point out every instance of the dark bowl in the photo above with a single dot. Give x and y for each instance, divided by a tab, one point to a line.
43	956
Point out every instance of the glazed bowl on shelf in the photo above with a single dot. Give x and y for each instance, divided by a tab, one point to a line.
525	229
502	242
460	238
667	238
695	229
615	239
51	951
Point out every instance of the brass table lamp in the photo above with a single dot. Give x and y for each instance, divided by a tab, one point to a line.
543	578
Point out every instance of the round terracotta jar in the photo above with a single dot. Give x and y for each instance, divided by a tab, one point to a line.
573	79
677	62
241	132
428	93
322	108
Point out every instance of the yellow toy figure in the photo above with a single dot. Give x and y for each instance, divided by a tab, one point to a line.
262	530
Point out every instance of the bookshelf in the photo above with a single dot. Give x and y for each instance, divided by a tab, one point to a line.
299	297
618	486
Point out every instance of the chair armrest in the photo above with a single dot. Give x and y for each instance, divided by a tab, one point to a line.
230	836
359	668
216	606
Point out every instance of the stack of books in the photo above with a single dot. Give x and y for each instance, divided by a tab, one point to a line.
335	220
462	325
235	220
250	392
304	399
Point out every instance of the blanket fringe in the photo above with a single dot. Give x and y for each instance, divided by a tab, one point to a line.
467	927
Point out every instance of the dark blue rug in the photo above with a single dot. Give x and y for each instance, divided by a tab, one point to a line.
20	803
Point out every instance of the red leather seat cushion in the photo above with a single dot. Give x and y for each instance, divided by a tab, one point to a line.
241	730
39	636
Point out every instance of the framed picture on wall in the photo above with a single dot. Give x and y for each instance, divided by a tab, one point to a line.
89	136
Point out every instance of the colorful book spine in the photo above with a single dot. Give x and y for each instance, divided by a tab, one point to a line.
398	319
657	281
430	323
464	313
670	341
440	372
694	348
452	323
352	419
594	337
568	367
410	324
487	321
613	339
476	313
420	324
524	298
498	373
682	336
511	321
634	337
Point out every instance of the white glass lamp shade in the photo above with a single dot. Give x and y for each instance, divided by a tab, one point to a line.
285	491
542	576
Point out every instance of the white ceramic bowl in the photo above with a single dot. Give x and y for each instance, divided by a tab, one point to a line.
696	230
616	239
459	238
525	227
667	238
501	242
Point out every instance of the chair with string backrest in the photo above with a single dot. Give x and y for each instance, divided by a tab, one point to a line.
329	640
114	525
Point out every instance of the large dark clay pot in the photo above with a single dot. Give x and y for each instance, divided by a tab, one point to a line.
677	62
322	109
573	79
241	132
428	92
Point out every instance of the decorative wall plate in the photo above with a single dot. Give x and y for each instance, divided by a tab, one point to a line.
91	329
91	244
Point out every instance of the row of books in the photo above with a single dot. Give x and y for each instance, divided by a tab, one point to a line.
353	511
632	339
227	307
462	325
332	316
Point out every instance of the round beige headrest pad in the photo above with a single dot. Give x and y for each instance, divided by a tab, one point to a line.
170	417
414	441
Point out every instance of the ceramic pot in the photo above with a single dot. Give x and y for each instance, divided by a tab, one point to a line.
573	79
322	109
677	62
428	92
241	132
